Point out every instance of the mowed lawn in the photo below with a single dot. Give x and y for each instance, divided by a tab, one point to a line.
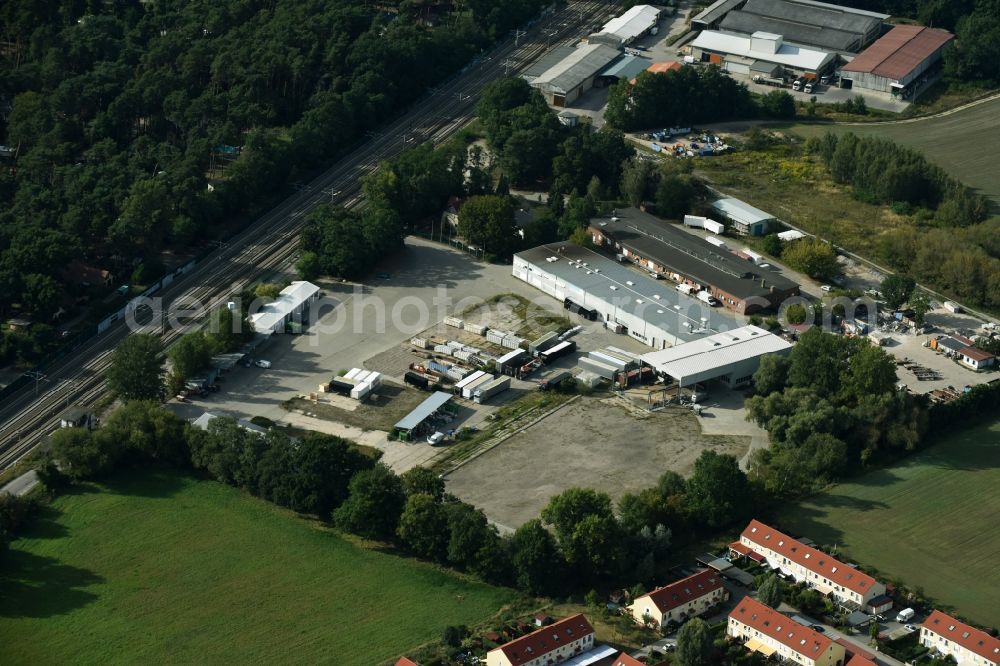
965	143
930	522
163	568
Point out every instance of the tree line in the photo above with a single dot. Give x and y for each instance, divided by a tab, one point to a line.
831	404
882	172
687	96
121	114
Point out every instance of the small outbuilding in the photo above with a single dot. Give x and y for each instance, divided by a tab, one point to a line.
290	304
745	219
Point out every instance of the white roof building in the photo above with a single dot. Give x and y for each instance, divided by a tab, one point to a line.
635	22
763	46
292	300
732	356
746	219
791	235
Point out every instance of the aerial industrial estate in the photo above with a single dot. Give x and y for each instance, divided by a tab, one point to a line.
608	334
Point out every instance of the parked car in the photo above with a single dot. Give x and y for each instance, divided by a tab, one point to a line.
818	627
436	438
826	288
261	363
909	627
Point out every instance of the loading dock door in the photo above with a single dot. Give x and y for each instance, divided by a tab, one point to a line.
738	68
558	100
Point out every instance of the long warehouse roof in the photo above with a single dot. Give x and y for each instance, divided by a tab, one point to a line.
790	55
689	255
652	301
795	31
585	61
741	211
633	23
289	300
716	351
901	50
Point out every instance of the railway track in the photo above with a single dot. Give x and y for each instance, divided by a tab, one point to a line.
269	242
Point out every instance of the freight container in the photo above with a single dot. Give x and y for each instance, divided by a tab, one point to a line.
438	368
352	373
361	391
375	379
420	342
475	329
454	322
509	363
623	358
607	359
588	379
560	350
622	353
341	386
469	389
361	376
512	342
468	380
447	350
490	389
462	355
543	342
717	242
416	379
554	379
598	368
952	306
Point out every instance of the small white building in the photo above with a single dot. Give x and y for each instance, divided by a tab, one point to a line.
291	303
731	357
975	358
699	222
746	219
968	646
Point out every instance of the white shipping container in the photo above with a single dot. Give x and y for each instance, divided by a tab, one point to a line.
490	389
601	369
608	359
375	379
419	342
469	389
717	242
952	306
362	376
361	391
463	355
352	373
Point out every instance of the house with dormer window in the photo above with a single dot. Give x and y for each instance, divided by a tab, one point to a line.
968	646
679	601
765	630
549	645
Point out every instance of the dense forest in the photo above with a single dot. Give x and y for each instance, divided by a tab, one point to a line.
132	129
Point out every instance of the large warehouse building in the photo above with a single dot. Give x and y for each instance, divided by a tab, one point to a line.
624	29
817	24
731	357
760	52
897	62
686	259
567	80
648	310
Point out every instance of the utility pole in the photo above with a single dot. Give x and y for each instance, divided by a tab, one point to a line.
518	34
37	376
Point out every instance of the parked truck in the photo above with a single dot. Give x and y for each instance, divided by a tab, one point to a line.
706	297
769	81
685	289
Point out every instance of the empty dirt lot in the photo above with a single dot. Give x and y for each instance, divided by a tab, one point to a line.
594	442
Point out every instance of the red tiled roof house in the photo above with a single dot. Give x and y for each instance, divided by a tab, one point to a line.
679	601
806	564
765	630
549	645
967	645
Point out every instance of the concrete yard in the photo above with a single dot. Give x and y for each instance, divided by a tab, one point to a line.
592	442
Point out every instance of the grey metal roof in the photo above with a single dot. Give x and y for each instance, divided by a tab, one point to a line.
715	11
585	62
806	22
423	411
689	255
652	301
741	211
552	57
627	67
794	31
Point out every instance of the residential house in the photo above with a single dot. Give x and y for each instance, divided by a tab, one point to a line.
968	646
557	642
858	660
681	600
976	358
625	659
403	661
852	588
765	630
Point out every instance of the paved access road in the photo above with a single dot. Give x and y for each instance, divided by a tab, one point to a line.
27	417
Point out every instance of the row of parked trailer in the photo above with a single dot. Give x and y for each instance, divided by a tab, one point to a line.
356	383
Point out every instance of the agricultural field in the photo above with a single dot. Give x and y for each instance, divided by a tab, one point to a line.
965	142
926	522
163	568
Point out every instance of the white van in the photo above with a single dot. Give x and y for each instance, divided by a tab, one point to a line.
905	615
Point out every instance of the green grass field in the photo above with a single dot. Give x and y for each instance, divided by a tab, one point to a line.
930	521
166	569
964	143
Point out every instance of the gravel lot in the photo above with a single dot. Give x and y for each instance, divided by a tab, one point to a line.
593	442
